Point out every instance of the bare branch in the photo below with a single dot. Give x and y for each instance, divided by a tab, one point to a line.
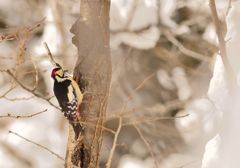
150	119
222	44
146	144
43	148
15	99
7	57
36	73
30	72
11	116
186	51
10	36
11	88
229	7
23	48
187	164
56	65
38	145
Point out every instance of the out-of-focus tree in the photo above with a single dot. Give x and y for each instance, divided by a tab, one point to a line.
173	39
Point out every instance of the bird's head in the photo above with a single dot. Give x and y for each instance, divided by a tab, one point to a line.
57	72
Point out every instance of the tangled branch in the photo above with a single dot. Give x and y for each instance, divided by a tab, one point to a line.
29	90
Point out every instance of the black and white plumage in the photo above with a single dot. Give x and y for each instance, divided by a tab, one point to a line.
69	97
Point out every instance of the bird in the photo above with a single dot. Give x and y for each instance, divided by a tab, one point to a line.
69	97
67	92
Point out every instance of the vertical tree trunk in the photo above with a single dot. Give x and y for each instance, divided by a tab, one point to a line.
93	74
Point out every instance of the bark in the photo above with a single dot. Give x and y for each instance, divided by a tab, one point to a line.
93	74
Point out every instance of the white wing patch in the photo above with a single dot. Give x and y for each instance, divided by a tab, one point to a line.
70	93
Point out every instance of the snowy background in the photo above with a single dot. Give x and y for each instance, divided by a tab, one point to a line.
174	38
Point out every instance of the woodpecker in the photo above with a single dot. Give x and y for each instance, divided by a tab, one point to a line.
68	95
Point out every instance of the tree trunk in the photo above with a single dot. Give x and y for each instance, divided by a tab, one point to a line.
92	72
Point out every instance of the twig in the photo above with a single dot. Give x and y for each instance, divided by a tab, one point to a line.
38	145
222	44
133	110
11	88
25	49
186	51
139	120
28	27
146	144
107	147
229	6
30	72
56	65
11	116
18	98
113	89
121	120
123	144
152	119
186	164
36	73
7	57
131	14
44	148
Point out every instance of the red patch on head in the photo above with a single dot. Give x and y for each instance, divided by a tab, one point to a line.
53	73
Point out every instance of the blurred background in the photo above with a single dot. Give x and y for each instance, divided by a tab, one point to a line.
173	38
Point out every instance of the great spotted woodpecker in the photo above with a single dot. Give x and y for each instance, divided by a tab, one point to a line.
68	94
69	97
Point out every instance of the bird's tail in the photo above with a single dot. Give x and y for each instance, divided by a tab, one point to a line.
77	129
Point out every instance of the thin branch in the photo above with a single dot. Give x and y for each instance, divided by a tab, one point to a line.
23	48
184	50
139	120
131	14
222	44
28	27
187	164
11	88
36	73
7	57
30	72
56	65
38	145
121	120
143	119
229	7
113	90
11	116
146	144
43	148
123	144
15	99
